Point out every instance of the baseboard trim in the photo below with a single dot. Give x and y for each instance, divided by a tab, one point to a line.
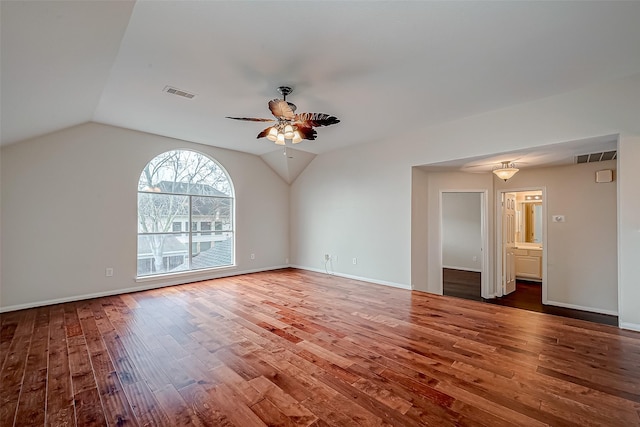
579	307
349	276
452	267
175	281
629	326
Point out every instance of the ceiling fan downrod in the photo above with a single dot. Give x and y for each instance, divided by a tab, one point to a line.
284	91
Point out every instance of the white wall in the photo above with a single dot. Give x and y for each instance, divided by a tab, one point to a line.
323	220
629	231
436	183
461	231
342	198
69	209
582	251
420	236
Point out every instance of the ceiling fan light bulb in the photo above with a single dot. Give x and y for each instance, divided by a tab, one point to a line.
296	137
272	135
288	132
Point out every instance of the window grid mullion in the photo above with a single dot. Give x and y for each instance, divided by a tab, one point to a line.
190	231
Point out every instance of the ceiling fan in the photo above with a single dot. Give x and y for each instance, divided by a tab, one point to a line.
289	125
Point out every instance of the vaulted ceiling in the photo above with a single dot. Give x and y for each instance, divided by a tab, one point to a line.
382	67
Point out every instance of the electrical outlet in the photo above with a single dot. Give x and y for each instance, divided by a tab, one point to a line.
253	256
354	261
108	272
475	258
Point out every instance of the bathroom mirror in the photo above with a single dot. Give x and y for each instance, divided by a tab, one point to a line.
532	213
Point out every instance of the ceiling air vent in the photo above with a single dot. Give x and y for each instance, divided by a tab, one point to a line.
175	91
596	157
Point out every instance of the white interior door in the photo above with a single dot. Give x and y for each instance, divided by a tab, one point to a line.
508	243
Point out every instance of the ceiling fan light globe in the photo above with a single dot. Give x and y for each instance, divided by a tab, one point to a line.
280	139
288	132
273	134
296	137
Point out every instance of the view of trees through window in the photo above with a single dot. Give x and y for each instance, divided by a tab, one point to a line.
185	214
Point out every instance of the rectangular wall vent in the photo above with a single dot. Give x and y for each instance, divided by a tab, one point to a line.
176	91
597	157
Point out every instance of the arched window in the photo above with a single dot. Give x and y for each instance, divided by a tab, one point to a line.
185	214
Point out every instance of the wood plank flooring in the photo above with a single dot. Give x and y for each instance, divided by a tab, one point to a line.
296	348
527	296
462	284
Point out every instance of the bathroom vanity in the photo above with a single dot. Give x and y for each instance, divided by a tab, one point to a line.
528	261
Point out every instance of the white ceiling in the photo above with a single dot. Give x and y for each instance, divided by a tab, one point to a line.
381	67
544	156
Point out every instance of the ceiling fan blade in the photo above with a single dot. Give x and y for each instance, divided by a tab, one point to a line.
315	119
250	119
281	109
306	132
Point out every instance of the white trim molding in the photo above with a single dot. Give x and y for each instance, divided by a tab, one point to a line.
452	267
176	281
629	326
349	276
580	307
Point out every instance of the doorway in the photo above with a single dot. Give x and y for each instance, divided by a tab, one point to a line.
463	235
521	253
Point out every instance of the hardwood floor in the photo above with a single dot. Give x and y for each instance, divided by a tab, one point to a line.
527	296
461	284
298	348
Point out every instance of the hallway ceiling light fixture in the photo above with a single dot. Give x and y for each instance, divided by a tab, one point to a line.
506	170
290	126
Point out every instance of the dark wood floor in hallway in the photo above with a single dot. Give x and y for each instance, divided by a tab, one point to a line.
527	296
291	347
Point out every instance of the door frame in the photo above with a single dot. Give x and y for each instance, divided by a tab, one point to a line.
485	291
499	282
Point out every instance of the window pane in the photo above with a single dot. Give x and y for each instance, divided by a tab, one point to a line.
184	172
158	212
224	213
212	250
162	253
212	210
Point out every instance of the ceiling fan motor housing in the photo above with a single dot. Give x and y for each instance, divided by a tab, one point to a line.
285	90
